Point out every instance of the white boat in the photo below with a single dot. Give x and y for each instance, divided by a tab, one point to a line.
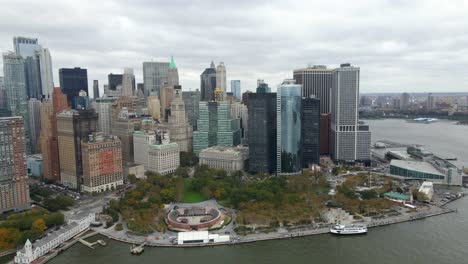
349	229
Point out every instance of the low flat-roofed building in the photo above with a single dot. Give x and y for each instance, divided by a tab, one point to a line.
436	170
397	196
200	237
224	158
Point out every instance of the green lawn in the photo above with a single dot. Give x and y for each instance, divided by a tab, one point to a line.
193	197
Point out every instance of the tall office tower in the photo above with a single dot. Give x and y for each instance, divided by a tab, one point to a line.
316	81
95	89
81	101
123	127
15	85
262	132
347	134
178	126
167	91
236	89
4	112
154	107
430	102
104	110
310	132
221	78
128	82
239	111
263	88
14	190
72	127
260	81
130	103
215	127
288	127
208	83
325	134
404	101
102	163
192	101
38	66
48	136
245	97
34	109
172	74
114	80
155	74
72	81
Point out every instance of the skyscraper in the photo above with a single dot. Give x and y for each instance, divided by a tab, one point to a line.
34	109
178	126
73	126
316	81
310	131
15	85
215	127
155	74
288	127
262	132
114	80
14	190
325	134
38	66
404	101
128	82
172	74
236	89
72	81
208	83
221	78
95	89
104	110
347	133
167	91
192	101
154	107
48	137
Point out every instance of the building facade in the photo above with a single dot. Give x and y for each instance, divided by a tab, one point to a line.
288	127
14	189
192	103
128	82
72	81
102	163
178	125
103	107
316	81
230	159
155	74
236	89
310	132
221	78
208	83
164	158
325	134
95	89
262	132
34	113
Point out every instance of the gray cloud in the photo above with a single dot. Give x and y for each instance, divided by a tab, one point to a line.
418	46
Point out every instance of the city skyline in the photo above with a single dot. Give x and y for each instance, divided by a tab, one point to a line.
416	53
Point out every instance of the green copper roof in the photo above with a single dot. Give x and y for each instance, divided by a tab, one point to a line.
172	64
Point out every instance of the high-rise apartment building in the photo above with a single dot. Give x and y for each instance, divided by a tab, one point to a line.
430	102
215	126
72	81
128	82
221	78
34	109
236	89
347	133
192	102
72	127
316	81
178	126
14	190
288	127
15	85
95	89
155	74
310	132
48	135
208	83
102	163
262	132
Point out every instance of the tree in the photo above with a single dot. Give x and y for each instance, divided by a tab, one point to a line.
181	171
188	159
179	189
132	178
38	226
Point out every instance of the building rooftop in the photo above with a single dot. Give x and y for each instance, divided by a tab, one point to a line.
396	196
424	167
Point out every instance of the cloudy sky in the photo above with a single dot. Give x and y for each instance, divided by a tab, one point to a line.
400	45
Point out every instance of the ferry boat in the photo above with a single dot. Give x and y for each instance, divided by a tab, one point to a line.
137	250
349	229
424	120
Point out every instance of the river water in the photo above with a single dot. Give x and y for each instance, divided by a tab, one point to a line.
441	239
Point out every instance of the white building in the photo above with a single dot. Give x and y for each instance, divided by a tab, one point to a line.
141	142
30	251
200	237
428	189
221	78
164	158
128	80
224	158
103	107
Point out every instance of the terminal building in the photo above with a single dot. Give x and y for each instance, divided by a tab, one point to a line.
200	237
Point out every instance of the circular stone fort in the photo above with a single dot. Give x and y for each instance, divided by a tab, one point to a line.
194	218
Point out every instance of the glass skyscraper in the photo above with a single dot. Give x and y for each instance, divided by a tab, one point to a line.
236	89
72	81
155	74
288	126
310	146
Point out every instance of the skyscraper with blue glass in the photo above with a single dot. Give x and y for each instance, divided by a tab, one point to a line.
288	126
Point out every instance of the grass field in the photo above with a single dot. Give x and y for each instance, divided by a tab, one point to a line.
191	196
